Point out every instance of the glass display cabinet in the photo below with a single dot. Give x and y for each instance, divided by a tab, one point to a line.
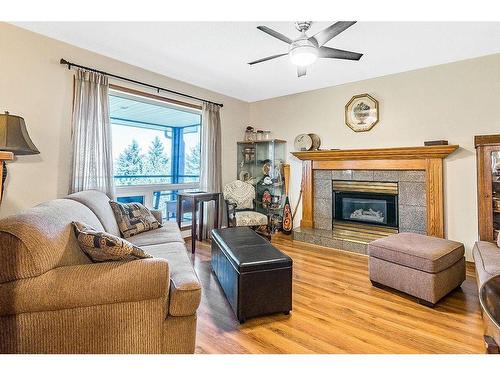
488	185
260	163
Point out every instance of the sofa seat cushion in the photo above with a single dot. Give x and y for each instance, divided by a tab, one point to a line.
487	260
98	203
169	232
185	287
429	254
250	218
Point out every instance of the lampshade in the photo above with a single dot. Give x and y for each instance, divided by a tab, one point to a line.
14	136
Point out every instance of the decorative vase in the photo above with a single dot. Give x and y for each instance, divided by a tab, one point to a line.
287	217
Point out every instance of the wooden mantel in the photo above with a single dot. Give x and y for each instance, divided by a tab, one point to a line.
424	152
426	158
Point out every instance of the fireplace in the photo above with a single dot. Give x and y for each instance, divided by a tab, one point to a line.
365	203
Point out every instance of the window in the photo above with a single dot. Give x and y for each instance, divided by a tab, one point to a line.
156	150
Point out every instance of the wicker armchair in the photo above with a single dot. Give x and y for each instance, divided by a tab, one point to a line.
240	206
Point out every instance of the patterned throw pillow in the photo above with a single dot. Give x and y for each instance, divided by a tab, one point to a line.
133	218
104	247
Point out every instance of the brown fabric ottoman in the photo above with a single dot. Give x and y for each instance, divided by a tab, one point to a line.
425	267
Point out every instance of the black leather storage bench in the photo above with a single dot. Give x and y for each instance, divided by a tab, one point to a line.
255	276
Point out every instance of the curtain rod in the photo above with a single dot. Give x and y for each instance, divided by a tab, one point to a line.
157	88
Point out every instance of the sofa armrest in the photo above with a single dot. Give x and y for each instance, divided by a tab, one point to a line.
487	261
87	285
158	215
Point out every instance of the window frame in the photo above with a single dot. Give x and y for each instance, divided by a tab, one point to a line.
147	190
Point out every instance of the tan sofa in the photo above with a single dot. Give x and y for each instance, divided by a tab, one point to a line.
53	299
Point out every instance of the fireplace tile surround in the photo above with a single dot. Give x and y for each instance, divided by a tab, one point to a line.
411	204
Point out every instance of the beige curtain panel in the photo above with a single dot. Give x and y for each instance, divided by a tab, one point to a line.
92	162
211	160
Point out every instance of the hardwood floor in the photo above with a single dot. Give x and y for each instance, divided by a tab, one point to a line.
337	310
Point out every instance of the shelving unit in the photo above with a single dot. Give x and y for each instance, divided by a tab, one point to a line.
488	185
261	164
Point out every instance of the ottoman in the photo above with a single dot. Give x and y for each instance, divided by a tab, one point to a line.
255	276
425	267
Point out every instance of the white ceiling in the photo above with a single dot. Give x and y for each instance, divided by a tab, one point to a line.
215	55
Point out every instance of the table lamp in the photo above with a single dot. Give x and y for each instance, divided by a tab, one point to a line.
14	137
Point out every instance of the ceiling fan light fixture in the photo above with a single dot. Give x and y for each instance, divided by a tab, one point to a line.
303	52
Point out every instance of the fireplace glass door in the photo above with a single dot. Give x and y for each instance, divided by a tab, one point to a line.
366	208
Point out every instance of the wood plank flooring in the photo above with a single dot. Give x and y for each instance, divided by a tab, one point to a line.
337	310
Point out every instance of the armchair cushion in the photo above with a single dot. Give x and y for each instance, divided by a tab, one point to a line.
250	218
104	247
241	193
87	285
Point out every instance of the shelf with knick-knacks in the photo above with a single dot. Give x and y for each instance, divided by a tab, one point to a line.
260	163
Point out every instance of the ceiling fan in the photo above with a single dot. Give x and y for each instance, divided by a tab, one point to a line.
304	50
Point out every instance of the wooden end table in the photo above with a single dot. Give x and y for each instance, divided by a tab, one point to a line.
197	198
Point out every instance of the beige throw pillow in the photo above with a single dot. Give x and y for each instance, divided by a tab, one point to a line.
104	247
133	218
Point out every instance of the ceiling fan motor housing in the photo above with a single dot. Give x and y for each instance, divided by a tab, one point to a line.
303	26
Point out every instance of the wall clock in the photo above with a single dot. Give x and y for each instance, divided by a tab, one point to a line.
361	113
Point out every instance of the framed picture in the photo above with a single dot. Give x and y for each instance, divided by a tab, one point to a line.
361	113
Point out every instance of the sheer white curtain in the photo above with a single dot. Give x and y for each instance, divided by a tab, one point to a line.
92	163
211	160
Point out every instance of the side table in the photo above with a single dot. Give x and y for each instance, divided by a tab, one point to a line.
197	198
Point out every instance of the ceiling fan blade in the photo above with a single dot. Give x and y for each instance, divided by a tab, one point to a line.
276	34
267	58
334	53
326	34
301	71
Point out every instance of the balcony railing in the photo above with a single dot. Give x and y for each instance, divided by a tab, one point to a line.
171	179
157	195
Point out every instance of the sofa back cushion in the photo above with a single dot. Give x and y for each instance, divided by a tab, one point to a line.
98	202
41	238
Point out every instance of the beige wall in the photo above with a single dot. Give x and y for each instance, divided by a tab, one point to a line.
34	85
452	101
